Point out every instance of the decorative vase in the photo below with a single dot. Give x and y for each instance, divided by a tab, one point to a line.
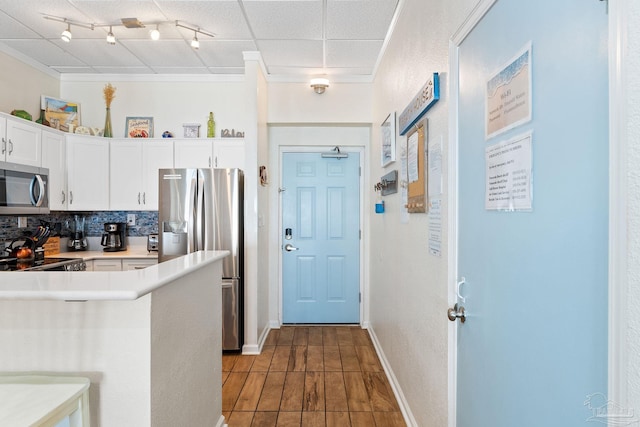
108	131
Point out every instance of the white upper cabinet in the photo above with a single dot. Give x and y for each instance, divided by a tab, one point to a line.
209	153
134	172
88	172
228	153
193	153
54	159
21	141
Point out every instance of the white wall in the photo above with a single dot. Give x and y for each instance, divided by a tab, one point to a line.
21	86
171	102
631	69
408	286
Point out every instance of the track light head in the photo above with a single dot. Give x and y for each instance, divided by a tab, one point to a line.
66	35
155	33
111	39
195	43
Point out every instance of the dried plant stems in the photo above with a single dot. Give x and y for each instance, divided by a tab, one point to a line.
109	94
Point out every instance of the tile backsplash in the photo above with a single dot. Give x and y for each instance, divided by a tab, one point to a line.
146	223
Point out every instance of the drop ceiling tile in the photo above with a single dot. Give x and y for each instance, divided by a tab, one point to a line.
285	19
359	19
124	70
296	53
181	70
216	53
352	53
167	53
45	52
222	18
112	11
12	29
100	53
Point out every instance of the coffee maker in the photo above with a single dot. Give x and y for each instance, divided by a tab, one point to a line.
78	237
113	238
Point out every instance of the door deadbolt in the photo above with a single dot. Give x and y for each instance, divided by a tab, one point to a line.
457	312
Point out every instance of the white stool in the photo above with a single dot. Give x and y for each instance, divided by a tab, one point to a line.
38	400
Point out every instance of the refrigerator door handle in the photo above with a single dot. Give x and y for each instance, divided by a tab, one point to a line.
200	215
191	215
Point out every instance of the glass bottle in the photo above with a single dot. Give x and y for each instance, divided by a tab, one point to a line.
108	132
211	126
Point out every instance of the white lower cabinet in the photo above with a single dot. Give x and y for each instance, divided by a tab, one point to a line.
107	265
137	263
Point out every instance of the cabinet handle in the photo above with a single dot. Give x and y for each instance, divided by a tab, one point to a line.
4	145
70	197
144	197
10	147
209	161
63	197
216	161
138	197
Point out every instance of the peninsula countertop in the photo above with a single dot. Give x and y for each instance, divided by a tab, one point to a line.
100	285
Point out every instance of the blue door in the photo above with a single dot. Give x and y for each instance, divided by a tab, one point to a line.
534	344
321	238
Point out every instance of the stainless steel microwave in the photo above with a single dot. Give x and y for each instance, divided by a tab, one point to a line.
24	190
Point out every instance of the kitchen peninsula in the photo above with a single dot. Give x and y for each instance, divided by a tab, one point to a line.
149	340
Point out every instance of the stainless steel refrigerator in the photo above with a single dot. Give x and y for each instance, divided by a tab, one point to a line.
203	209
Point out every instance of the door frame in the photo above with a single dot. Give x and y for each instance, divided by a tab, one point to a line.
617	328
320	149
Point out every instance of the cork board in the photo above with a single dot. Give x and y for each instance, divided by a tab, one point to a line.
416	188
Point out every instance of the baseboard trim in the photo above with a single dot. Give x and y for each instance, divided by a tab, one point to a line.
393	381
221	422
257	349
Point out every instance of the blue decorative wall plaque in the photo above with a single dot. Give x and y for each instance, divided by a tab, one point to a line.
427	96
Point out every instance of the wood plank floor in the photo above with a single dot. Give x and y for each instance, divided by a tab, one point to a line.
312	376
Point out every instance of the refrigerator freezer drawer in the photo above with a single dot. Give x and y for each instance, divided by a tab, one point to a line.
231	315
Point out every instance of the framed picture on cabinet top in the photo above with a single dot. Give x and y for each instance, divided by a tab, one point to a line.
60	114
139	127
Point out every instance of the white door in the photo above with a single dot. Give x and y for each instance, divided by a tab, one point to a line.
534	344
321	238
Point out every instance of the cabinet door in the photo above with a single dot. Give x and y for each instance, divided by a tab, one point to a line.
137	264
24	143
54	159
155	155
88	173
125	174
228	154
107	265
195	153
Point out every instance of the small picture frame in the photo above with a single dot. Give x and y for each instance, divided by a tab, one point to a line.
191	130
388	140
60	114
138	127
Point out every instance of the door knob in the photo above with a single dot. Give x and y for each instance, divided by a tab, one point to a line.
289	247
457	312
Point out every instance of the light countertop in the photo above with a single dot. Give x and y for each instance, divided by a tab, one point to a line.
101	285
131	252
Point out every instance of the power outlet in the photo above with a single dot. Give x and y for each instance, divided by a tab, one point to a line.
22	222
131	220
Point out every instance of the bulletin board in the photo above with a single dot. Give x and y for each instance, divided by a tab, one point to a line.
416	179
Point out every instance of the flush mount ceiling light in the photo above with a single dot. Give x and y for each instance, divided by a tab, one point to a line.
66	34
319	85
111	39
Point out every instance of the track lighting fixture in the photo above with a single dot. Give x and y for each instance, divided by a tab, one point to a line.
111	39
155	34
132	23
66	34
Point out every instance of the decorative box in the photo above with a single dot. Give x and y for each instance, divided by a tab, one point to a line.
191	130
